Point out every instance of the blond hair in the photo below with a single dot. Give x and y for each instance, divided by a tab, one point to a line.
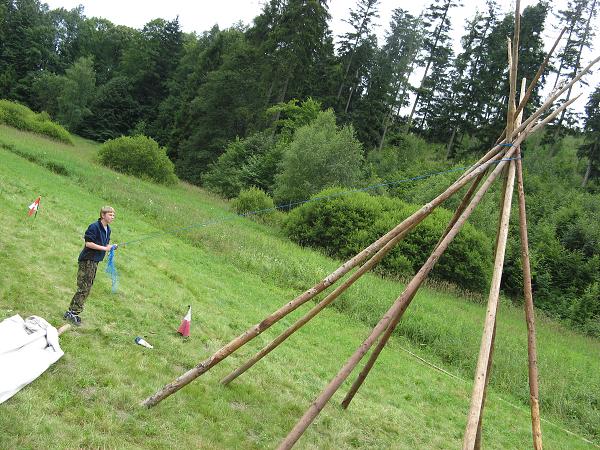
106	209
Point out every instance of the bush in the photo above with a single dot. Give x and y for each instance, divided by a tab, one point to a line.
139	156
22	118
255	204
344	225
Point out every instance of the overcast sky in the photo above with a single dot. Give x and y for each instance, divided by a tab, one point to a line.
200	16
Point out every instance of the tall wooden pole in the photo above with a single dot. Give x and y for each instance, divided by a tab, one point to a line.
473	433
488	330
529	313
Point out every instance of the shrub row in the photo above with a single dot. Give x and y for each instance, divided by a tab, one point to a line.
22	118
344	225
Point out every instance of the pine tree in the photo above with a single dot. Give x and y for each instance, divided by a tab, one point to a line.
295	42
357	47
460	112
577	18
436	56
402	43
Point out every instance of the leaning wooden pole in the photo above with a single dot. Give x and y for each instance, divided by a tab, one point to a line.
331	297
529	313
393	314
257	329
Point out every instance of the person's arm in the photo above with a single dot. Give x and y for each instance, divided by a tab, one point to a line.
95	246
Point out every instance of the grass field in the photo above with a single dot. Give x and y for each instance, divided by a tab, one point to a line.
234	273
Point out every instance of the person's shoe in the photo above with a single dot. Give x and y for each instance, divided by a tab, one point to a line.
73	318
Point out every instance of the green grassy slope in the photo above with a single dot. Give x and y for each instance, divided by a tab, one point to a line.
234	274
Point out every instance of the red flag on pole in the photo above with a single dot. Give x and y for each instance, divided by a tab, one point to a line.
34	206
184	328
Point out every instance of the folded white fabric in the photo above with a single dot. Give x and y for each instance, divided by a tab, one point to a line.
27	348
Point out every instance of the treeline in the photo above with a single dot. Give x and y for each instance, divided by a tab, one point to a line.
195	93
282	106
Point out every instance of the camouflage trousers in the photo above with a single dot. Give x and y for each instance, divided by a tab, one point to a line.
85	279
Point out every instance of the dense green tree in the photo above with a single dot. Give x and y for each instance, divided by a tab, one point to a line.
150	60
402	42
113	111
356	50
492	99
458	109
227	104
76	93
295	46
67	42
319	156
25	46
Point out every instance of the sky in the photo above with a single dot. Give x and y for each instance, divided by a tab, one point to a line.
201	15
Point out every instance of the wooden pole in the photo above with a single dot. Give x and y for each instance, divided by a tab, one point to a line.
392	315
365	371
63	328
478	437
529	313
486	341
254	331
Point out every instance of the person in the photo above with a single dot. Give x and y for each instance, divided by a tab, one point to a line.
97	239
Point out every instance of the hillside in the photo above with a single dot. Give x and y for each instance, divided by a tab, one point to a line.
234	273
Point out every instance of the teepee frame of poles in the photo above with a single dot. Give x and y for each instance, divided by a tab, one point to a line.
504	159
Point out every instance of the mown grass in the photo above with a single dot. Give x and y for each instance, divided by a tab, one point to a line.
233	274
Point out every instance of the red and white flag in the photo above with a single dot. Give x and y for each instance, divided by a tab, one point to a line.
34	206
184	328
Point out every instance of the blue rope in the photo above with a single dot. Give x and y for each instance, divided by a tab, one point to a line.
301	202
111	269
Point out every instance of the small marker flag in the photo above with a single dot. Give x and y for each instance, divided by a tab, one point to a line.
184	328
33	208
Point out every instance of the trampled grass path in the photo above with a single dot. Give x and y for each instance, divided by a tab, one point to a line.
234	274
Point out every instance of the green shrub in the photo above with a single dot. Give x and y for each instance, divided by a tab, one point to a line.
344	225
22	118
139	156
255	204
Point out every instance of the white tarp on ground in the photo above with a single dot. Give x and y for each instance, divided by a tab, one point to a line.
27	348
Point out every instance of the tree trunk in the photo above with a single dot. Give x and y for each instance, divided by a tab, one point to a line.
450	148
588	170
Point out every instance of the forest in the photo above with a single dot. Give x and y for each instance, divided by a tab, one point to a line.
277	111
